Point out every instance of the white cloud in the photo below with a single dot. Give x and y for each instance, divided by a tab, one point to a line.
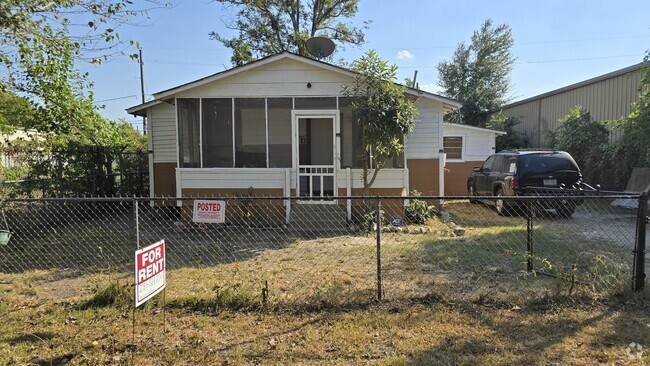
405	55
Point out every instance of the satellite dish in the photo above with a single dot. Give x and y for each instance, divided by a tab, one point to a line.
320	47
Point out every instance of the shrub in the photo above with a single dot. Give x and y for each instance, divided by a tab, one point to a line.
418	211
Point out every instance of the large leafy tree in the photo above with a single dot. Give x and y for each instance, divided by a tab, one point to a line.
40	42
267	27
479	73
382	109
632	150
16	111
585	139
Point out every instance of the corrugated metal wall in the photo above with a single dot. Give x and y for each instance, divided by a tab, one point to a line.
606	99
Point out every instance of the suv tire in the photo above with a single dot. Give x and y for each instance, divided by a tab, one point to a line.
501	205
470	190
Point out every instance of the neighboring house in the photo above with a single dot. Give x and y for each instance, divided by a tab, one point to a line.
7	139
606	97
465	147
281	126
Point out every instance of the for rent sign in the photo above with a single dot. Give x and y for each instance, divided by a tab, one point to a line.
209	211
149	272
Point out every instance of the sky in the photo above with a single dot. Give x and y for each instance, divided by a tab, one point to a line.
557	43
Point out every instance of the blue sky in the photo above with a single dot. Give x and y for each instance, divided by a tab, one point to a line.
557	43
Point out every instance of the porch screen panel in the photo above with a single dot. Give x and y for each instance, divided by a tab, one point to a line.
217	132
280	152
188	130
250	133
351	137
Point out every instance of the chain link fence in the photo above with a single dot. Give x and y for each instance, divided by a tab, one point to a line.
292	253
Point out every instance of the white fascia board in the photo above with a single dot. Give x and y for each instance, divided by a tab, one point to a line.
496	132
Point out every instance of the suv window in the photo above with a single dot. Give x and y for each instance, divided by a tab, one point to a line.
489	162
546	163
510	165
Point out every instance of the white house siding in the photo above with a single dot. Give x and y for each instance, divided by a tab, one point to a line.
284	77
162	118
386	178
477	144
230	178
423	142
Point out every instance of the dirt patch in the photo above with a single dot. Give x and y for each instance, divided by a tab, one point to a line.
65	289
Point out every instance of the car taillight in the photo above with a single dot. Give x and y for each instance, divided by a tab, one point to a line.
515	182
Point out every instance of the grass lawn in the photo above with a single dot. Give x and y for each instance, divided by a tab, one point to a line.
446	300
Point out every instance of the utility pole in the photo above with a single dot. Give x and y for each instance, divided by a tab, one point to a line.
144	119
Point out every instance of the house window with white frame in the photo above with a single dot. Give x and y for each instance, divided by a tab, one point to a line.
453	147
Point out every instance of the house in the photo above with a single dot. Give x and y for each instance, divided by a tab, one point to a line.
465	147
606	97
279	126
9	138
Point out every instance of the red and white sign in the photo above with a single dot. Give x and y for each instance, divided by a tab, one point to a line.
209	211
150	276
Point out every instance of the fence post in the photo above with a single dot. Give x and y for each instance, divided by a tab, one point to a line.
640	245
529	236
59	174
378	224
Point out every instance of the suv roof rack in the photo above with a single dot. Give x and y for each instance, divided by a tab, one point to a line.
517	151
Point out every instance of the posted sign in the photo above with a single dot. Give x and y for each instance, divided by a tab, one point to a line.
150	277
209	211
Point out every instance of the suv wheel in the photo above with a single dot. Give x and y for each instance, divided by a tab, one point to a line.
502	206
470	190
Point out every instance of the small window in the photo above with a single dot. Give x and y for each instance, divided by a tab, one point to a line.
453	147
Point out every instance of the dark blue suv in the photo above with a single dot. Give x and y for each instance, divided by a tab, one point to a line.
526	172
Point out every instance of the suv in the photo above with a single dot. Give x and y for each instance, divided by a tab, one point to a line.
513	173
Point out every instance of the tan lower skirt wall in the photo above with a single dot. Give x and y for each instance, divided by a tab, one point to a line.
423	176
456	175
239	210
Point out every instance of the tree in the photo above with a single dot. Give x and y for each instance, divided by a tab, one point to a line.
479	74
632	150
382	109
512	139
267	27
586	140
40	41
16	111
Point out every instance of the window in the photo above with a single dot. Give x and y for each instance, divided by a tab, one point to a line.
250	133
453	147
188	130
217	132
488	163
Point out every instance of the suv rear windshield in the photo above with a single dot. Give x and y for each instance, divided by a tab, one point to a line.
546	163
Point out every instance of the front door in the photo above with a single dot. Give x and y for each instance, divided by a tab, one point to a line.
316	157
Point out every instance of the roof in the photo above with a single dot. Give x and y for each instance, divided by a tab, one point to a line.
576	85
449	104
496	132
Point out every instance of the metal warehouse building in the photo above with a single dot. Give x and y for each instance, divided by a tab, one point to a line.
606	97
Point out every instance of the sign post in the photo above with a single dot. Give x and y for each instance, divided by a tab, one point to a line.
150	277
208	211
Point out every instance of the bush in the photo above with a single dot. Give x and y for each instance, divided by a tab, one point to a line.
512	139
418	211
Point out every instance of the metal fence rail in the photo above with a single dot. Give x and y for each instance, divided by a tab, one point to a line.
290	252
